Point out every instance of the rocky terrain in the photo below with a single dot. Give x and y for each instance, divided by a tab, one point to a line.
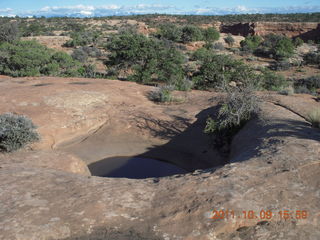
306	30
48	193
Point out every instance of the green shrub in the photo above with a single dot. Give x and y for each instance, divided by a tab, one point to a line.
211	34
184	85
229	40
170	31
9	32
162	94
88	71
16	131
314	118
92	51
240	106
33	29
288	91
82	39
284	49
218	46
312	58
281	65
149	58
80	55
251	43
311	83
302	90
297	42
218	70
29	58
276	46
201	54
273	81
191	33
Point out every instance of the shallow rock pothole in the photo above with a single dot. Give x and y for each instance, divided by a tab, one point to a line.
133	167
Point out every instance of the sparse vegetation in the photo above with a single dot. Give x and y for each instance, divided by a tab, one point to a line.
162	94
312	58
273	81
16	131
240	106
229	40
307	85
83	39
297	42
314	118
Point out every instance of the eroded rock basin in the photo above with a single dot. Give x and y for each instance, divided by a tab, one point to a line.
133	167
47	193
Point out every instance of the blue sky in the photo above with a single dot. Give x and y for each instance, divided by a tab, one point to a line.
122	7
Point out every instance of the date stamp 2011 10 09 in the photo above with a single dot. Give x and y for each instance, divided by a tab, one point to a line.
260	215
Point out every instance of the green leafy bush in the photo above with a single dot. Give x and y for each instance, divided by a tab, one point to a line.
250	43
29	58
188	33
148	58
276	46
170	31
218	70
273	81
201	54
211	34
283	49
16	131
191	33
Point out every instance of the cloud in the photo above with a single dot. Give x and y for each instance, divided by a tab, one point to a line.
90	11
6	12
114	9
246	10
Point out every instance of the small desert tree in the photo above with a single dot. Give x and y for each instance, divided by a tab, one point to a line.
148	58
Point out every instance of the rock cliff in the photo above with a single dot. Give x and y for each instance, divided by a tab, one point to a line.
304	30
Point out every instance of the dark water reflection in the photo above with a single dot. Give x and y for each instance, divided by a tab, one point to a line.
133	167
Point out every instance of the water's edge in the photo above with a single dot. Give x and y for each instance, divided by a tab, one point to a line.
133	167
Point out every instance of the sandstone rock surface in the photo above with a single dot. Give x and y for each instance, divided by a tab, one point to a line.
274	165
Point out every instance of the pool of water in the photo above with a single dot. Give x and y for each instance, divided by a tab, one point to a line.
133	167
